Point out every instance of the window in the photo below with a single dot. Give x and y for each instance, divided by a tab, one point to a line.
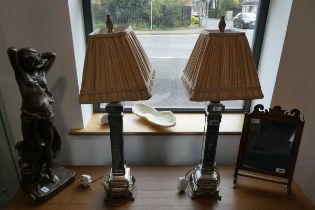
168	30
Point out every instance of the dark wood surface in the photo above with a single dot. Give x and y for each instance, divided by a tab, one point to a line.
156	189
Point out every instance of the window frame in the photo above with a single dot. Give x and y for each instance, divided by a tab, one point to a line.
258	37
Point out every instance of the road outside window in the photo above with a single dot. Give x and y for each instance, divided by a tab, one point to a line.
168	30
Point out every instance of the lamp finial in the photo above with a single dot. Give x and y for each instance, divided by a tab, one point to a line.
109	24
222	24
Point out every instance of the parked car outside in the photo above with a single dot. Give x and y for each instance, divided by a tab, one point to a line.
245	20
195	19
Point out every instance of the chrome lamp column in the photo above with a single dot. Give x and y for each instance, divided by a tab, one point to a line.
221	67
116	69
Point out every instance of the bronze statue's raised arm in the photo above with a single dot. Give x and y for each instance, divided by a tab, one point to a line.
13	56
50	56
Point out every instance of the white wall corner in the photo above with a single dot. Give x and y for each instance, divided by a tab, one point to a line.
275	32
79	46
295	87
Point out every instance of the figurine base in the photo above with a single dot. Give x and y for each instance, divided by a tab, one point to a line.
204	185
119	186
45	189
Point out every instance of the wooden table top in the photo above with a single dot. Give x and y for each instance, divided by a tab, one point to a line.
156	189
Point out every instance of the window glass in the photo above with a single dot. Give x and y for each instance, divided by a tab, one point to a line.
168	30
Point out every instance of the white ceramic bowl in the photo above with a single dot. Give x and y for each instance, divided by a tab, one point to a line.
164	118
103	119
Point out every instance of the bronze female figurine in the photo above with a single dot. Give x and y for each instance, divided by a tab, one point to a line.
41	141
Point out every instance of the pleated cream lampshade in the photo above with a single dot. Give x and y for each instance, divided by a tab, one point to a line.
221	67
116	68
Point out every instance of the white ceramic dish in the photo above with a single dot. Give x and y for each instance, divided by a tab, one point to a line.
103	119
164	118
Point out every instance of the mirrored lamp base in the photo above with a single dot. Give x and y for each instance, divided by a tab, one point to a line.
119	186
203	185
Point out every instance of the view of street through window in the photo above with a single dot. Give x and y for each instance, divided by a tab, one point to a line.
169	42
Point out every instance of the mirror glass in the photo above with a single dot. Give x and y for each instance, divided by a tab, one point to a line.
268	145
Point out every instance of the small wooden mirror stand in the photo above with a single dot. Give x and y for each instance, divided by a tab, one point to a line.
269	145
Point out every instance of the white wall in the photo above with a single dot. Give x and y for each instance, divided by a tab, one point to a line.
78	38
8	173
145	150
295	85
276	26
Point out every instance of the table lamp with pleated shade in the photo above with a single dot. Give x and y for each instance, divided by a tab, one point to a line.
116	69
221	67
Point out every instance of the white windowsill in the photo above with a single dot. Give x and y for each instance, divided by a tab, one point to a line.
186	124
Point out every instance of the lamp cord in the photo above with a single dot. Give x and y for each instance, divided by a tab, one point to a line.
97	179
195	168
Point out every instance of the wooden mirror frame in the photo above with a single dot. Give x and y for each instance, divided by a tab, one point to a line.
276	114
